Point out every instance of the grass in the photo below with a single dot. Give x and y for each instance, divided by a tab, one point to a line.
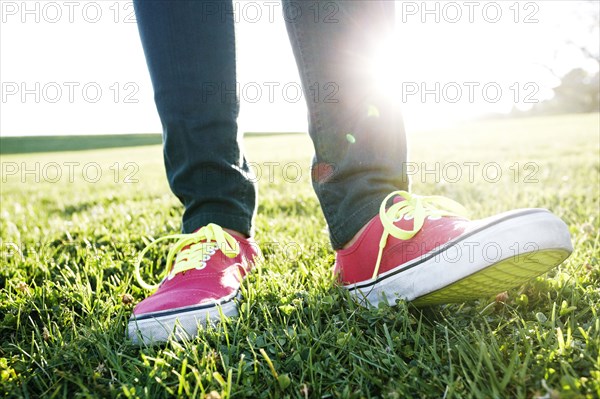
19	145
29	144
66	284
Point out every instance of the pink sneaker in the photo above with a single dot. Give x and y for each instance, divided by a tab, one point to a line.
421	250
207	268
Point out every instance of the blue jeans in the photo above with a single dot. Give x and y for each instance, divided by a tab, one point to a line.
358	135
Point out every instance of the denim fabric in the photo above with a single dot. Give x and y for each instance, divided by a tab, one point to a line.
190	53
358	135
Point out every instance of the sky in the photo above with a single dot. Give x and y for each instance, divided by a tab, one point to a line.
77	67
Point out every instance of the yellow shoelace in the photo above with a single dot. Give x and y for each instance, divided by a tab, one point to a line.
416	207
203	244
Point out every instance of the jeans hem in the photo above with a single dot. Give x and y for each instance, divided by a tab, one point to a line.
237	223
343	232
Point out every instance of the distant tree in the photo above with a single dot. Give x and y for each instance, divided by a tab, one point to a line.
579	89
578	92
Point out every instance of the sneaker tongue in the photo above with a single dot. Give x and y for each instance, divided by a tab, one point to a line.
397	199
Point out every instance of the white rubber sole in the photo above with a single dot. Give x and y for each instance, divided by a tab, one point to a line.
177	324
498	253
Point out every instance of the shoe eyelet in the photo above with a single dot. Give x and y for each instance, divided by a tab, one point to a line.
205	258
201	266
408	217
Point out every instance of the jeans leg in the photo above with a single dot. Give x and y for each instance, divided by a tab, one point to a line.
358	134
190	52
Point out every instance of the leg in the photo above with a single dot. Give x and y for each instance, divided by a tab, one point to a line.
358	135
190	51
406	245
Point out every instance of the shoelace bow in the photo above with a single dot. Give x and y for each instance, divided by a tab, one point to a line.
415	206
202	245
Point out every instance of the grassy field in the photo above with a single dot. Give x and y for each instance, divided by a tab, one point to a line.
73	222
29	144
19	145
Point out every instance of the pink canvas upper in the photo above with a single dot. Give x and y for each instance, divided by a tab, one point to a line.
357	262
220	279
